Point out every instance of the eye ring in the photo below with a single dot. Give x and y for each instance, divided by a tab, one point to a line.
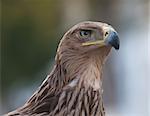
85	33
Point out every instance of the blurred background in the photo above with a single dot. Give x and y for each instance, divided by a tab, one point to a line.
32	29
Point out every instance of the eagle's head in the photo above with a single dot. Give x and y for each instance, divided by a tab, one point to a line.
85	47
90	35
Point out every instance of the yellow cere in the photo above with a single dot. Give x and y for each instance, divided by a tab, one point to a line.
99	42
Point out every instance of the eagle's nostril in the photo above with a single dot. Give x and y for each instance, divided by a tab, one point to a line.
106	34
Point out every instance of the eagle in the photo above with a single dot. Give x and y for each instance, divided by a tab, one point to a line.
74	86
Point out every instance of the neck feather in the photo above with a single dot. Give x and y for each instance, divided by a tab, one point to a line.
84	66
78	73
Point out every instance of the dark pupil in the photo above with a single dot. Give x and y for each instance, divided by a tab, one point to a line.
85	33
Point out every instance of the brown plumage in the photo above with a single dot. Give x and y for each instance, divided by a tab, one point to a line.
74	86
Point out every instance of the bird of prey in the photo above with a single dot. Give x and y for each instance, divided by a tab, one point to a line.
74	86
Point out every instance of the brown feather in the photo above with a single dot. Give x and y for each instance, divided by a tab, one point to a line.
74	87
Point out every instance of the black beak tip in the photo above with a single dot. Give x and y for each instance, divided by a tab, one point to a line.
116	42
116	47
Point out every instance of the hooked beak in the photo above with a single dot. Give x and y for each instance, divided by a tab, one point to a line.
112	39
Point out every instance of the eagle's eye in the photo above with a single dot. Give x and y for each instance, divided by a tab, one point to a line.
85	33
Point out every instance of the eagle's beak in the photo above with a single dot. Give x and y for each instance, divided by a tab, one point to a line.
111	39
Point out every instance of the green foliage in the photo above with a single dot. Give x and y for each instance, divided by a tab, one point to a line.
30	31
